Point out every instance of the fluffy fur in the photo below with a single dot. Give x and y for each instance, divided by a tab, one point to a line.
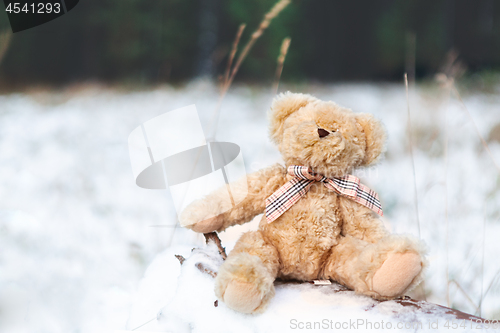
322	236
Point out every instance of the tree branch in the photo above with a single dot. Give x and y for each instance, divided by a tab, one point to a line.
212	236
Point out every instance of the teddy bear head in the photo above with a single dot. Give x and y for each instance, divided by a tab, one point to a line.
324	136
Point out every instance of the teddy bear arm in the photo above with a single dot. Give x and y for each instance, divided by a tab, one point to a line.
261	185
216	212
361	222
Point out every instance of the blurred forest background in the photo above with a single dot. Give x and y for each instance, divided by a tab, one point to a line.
173	41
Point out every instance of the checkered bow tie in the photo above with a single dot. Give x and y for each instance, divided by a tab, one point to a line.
348	186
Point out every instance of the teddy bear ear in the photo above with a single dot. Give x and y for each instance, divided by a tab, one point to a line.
374	135
283	106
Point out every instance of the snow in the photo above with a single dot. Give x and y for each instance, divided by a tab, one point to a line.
296	306
77	235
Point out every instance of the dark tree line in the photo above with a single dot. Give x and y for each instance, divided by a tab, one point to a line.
173	40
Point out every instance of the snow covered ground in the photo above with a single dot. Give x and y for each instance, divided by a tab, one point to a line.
76	234
296	306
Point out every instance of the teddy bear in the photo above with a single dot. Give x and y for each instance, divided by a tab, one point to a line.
320	222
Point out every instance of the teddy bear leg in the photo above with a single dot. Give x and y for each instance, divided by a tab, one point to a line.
384	270
245	280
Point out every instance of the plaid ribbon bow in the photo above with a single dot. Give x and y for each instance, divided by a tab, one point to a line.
348	186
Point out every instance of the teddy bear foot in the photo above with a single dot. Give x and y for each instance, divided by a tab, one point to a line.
244	284
243	297
396	274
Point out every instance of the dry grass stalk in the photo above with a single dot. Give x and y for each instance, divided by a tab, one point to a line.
281	61
446	208
450	71
492	283
464	293
439	78
449	83
483	142
277	8
452	68
411	153
410	139
411	46
155	318
480	306
234	48
5	39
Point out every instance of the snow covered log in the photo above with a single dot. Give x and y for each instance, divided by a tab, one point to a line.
191	306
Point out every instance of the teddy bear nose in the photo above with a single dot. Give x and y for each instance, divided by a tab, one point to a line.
322	133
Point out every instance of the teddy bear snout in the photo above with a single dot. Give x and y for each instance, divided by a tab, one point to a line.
322	132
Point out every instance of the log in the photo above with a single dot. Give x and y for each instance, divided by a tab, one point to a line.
423	305
405	301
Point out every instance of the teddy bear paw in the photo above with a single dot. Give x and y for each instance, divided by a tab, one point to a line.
200	218
396	274
243	297
207	225
244	284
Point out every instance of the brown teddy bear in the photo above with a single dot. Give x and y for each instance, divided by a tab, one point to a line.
320	222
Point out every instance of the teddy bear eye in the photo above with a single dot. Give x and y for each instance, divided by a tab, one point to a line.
322	132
